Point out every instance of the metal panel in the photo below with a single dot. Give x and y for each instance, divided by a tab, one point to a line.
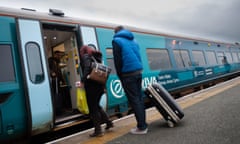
38	91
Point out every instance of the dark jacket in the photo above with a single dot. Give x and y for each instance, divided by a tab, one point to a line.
86	64
127	58
55	71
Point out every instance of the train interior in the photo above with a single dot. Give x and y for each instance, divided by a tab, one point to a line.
62	53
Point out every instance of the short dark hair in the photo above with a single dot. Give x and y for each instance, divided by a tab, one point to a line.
118	28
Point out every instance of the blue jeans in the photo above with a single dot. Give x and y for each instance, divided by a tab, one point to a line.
132	87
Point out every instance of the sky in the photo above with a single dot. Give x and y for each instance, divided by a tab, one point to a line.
209	19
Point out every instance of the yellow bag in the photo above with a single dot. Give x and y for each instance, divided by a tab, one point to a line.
82	101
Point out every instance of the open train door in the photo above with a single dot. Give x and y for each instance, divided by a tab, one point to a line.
35	75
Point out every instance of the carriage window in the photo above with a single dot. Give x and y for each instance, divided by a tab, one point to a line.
34	62
110	61
89	36
158	59
182	58
229	57
238	56
221	58
198	57
7	70
235	57
211	57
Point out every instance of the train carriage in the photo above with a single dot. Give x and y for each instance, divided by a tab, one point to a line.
32	101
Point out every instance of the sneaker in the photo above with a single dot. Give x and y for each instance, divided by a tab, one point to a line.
138	131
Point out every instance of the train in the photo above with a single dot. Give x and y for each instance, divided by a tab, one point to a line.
33	102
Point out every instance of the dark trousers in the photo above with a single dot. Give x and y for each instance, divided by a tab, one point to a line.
133	89
57	95
94	92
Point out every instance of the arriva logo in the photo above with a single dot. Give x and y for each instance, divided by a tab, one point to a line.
117	89
148	80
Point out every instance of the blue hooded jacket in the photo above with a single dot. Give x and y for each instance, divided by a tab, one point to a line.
127	58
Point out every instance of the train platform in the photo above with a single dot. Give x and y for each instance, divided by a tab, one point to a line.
212	116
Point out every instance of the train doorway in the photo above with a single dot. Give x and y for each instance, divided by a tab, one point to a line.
62	52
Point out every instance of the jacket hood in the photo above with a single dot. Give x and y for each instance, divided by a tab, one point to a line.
124	34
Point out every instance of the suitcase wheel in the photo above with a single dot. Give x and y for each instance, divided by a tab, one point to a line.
170	124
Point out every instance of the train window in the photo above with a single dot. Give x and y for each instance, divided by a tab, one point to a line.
158	59
199	59
89	36
239	56
235	57
229	57
110	61
221	58
34	62
211	57
6	57
182	58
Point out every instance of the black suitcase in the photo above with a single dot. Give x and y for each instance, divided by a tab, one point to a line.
165	104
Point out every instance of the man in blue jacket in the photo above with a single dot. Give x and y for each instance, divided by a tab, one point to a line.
129	67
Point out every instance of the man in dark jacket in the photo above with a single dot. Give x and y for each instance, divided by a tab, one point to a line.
128	65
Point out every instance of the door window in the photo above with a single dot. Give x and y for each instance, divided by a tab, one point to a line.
34	62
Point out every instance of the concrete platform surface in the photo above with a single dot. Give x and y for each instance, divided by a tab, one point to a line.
212	116
212	121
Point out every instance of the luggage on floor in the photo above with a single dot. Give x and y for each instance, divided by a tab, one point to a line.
165	104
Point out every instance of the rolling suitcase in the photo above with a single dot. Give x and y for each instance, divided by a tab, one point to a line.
165	104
